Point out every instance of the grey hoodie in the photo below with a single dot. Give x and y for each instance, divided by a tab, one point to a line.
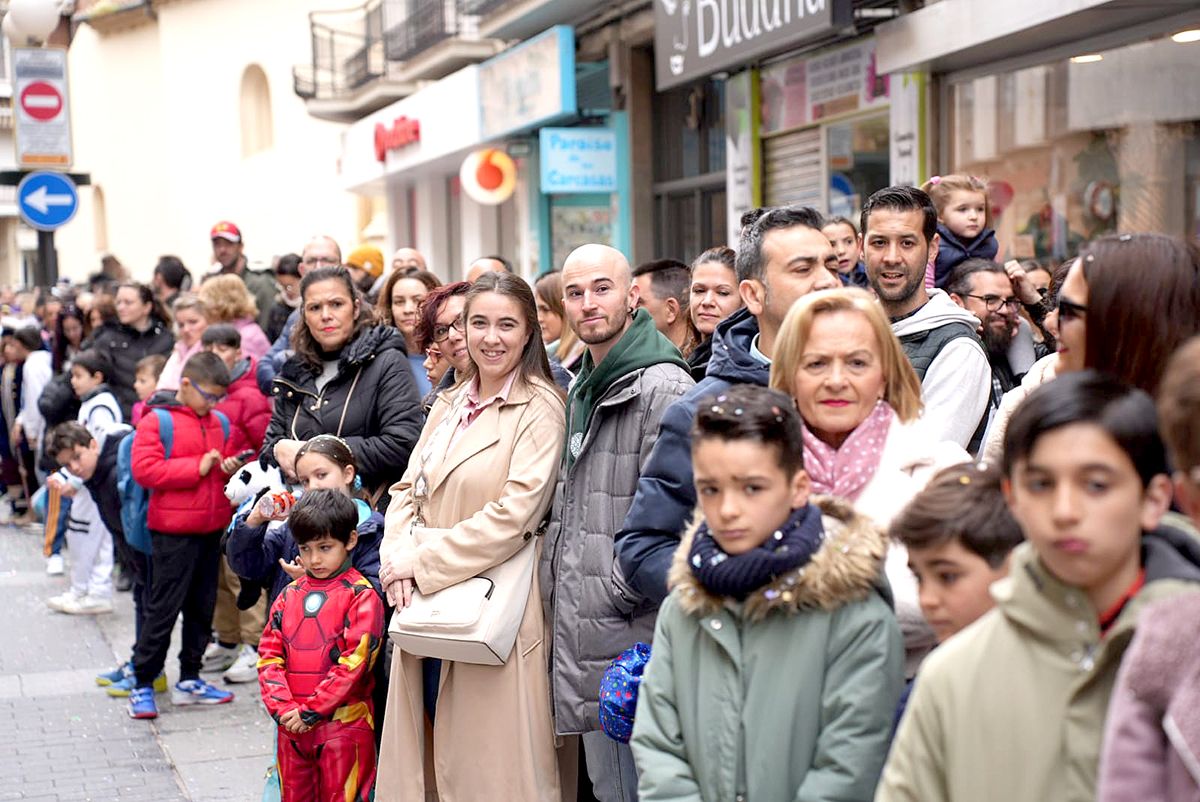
958	383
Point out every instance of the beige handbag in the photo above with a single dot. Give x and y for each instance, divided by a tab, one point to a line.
473	621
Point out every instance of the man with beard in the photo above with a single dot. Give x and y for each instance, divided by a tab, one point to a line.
899	238
983	288
227	246
631	373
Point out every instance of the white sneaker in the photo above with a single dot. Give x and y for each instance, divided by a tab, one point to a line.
245	668
218	657
54	565
87	605
60	602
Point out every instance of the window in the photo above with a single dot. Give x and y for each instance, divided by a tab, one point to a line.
257	129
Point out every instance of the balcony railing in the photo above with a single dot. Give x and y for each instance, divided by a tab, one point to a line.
414	26
347	52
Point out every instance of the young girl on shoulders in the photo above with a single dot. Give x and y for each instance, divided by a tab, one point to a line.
777	660
261	547
964	223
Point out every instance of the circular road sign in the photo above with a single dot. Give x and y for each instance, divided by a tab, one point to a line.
41	101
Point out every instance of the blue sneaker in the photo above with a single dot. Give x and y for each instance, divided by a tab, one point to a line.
116	675
125	686
198	692
141	703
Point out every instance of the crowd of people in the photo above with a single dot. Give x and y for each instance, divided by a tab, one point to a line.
851	511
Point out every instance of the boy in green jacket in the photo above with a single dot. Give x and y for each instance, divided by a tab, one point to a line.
1012	708
777	660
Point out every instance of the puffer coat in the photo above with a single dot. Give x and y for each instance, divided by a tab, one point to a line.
372	403
591	612
125	346
789	695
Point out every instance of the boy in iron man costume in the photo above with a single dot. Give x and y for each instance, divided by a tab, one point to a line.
315	657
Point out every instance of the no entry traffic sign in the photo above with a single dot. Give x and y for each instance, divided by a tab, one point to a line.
41	101
42	113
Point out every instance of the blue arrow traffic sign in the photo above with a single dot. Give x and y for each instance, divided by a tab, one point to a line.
47	200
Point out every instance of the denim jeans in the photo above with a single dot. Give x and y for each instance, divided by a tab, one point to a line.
610	768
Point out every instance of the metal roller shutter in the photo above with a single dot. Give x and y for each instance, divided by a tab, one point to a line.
793	169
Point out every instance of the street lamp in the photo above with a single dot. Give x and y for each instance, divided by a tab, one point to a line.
32	21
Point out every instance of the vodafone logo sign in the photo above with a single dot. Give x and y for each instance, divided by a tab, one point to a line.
41	101
403	132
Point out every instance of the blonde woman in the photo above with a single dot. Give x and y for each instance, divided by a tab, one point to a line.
859	400
191	319
228	301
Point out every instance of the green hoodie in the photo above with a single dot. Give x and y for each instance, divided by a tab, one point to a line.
640	347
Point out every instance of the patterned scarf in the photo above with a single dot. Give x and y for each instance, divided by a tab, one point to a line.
844	472
789	547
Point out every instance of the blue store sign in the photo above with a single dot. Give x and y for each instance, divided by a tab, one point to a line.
47	201
578	160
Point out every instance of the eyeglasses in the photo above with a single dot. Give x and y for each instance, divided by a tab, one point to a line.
1069	310
993	302
210	397
440	333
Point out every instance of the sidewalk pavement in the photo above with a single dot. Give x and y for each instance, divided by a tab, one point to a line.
69	741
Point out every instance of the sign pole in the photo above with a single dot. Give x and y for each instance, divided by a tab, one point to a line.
46	274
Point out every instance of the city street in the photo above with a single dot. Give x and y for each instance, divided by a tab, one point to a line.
69	741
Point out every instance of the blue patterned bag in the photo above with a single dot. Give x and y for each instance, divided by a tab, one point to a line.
619	692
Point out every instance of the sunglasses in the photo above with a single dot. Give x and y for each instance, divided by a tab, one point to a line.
1069	310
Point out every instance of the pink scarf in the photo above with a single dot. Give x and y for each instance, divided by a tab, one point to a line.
845	471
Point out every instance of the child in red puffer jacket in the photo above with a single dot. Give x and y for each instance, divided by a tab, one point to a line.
188	511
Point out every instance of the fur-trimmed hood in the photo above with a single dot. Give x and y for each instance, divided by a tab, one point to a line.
847	567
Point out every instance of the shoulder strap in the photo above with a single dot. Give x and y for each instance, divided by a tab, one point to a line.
166	430
224	422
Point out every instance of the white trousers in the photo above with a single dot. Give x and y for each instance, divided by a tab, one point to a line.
91	548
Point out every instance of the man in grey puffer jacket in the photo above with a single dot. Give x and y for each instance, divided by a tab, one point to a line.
631	373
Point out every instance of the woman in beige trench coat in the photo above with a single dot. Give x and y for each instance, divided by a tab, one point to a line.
490	452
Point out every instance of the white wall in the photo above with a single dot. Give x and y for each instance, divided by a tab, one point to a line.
156	123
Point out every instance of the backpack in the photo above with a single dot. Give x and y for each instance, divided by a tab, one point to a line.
135	499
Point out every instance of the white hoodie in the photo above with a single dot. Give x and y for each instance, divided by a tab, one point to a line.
958	383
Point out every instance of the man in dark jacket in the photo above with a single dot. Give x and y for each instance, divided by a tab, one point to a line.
631	372
781	257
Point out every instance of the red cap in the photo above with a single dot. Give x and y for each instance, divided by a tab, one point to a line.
227	231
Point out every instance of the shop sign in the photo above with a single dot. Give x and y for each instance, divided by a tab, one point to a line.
404	131
742	150
530	85
578	160
906	121
696	38
830	84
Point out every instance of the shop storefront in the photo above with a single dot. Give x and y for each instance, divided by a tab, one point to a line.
1076	147
1082	115
412	153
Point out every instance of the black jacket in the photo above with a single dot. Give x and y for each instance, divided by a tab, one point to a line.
372	403
103	484
666	497
125	346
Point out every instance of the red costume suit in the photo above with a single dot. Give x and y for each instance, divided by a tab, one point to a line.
316	653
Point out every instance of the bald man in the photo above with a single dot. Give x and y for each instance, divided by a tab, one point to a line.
408	259
487	264
320	251
631	373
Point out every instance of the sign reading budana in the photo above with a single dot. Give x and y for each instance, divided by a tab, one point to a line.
578	160
43	120
696	38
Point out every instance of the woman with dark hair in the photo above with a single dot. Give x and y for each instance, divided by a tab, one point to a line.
399	305
439	339
143	328
70	331
348	377
481	480
287	278
562	343
712	296
1142	293
171	277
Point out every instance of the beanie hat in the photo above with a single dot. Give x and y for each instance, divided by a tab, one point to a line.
367	258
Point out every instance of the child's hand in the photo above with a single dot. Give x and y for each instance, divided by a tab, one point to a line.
292	722
209	461
65	488
1022	288
293	569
